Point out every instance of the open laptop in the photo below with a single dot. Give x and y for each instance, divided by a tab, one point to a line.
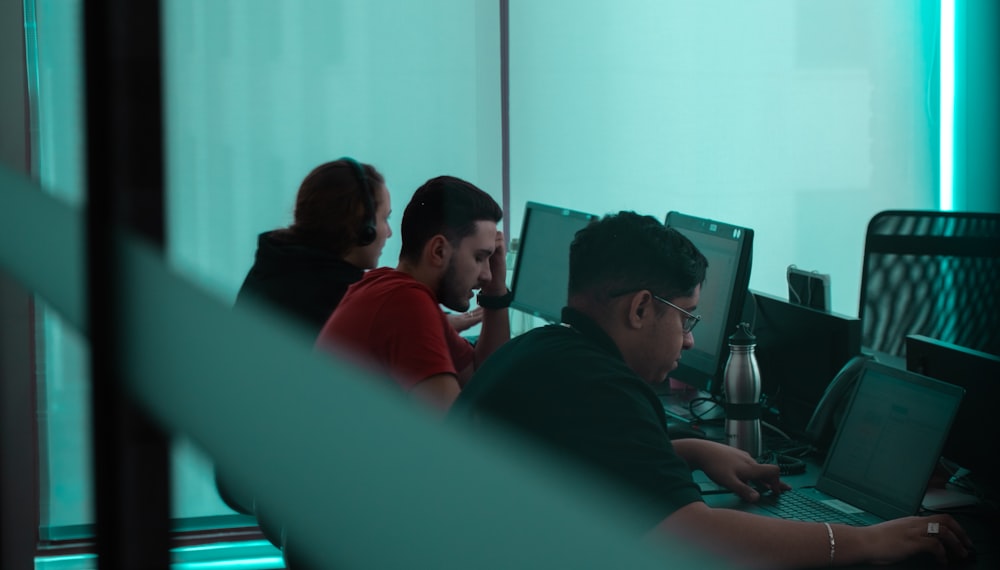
882	456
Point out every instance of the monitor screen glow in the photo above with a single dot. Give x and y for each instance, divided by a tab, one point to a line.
541	272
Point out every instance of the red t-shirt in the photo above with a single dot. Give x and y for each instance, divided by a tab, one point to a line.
394	321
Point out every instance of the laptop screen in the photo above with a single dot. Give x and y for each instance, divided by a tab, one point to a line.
889	440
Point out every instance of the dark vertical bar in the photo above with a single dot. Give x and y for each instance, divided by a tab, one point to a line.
18	430
124	136
505	114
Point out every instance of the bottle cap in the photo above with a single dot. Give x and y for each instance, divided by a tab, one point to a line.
742	336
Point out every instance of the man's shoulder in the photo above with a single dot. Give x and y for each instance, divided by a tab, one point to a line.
552	355
386	283
565	343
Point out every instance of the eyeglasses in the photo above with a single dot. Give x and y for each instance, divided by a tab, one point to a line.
690	320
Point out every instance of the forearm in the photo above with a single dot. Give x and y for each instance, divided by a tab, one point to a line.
438	391
694	452
496	323
494	332
762	542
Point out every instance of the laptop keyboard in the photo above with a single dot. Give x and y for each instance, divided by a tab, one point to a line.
793	505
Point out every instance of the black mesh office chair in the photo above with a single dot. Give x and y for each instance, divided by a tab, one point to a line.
931	273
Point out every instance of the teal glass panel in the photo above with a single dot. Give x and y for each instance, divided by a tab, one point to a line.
55	65
258	93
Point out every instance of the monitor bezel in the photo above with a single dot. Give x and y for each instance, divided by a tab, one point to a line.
705	372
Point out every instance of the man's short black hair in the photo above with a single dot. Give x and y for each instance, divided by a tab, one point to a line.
448	206
627	252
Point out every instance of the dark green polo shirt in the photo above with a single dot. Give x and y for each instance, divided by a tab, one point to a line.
569	387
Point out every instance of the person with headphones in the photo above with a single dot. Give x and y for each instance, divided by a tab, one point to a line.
341	224
339	227
392	317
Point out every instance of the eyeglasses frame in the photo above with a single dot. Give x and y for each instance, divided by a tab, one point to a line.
691	320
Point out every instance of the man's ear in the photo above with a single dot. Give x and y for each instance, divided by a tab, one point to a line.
639	307
437	251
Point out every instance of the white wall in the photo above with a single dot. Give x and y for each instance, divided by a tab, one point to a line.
799	119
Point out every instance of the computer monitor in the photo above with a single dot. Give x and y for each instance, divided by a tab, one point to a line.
729	250
799	350
972	441
541	270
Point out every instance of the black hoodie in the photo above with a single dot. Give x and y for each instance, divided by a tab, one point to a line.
305	281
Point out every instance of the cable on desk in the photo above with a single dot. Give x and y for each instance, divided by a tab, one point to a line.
775	430
700	416
787	465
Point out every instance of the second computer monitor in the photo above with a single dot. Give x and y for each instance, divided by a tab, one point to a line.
972	441
541	271
729	250
799	351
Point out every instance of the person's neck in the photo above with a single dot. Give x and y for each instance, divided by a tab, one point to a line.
356	258
421	273
604	316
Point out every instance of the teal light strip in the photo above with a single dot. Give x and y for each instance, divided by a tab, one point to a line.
247	555
89	562
266	563
947	102
70	562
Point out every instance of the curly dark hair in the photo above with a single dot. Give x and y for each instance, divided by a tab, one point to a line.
627	252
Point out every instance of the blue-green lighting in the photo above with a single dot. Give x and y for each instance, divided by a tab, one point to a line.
245	555
266	563
947	102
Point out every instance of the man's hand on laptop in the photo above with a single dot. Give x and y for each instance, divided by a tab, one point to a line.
732	468
939	535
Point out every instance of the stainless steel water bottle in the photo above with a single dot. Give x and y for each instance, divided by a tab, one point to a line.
742	392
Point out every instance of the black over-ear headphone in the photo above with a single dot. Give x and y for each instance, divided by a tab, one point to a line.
367	231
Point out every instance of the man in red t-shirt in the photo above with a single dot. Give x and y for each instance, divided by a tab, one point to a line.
392	317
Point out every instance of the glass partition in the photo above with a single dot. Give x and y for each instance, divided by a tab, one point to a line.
257	94
759	113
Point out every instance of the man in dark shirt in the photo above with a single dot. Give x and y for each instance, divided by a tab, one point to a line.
582	388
